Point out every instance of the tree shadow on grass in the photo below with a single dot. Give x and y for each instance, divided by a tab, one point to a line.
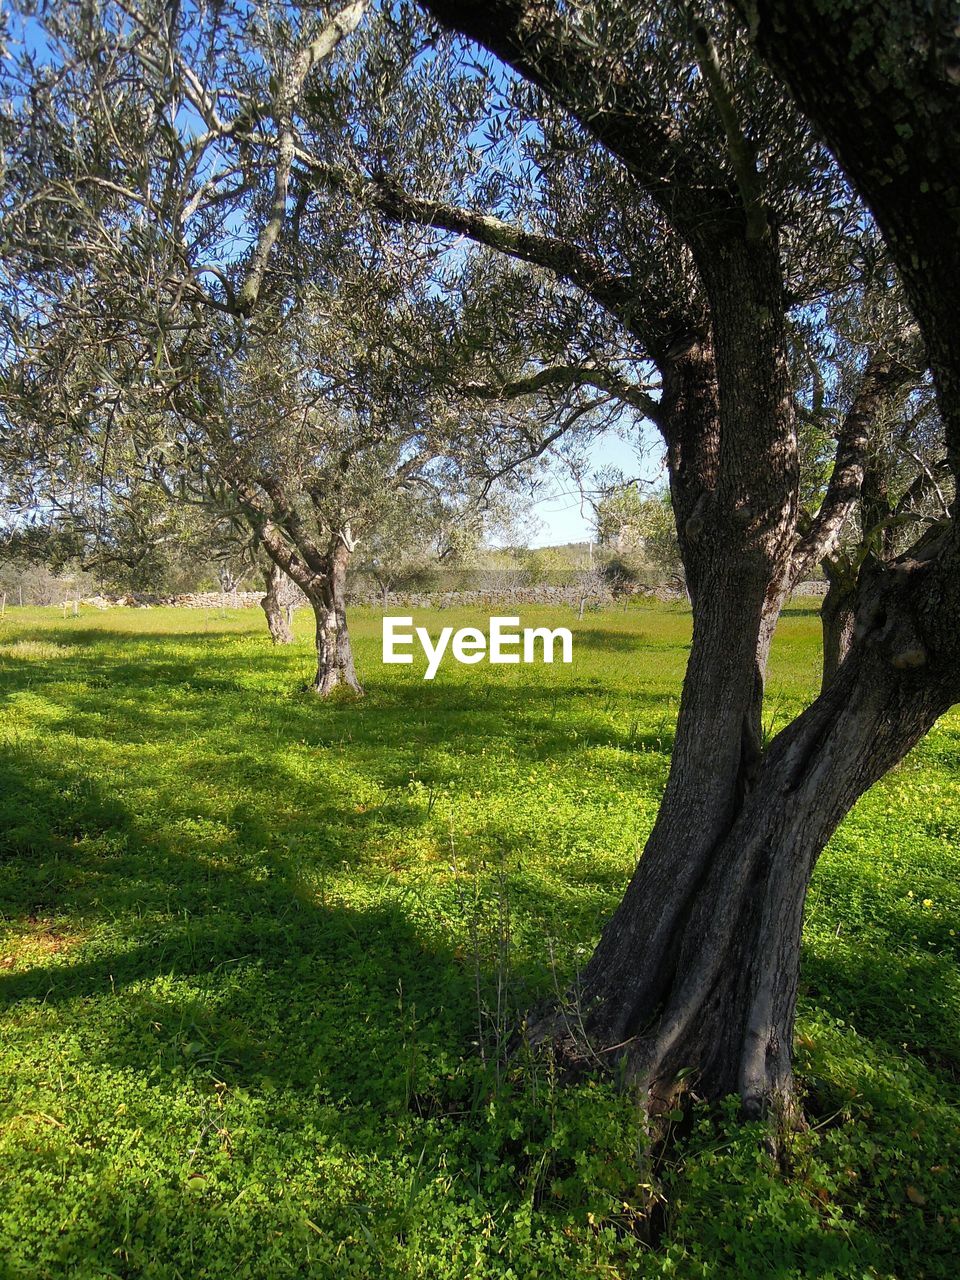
257	977
149	698
626	641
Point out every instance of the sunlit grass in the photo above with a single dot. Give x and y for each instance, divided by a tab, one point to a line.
253	944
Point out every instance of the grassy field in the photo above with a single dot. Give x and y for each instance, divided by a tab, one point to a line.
259	956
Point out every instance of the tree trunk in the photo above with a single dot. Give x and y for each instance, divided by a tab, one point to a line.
321	574
737	561
279	616
710	1000
837	617
695	975
327	595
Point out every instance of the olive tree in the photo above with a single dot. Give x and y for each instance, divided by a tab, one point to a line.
168	294
681	191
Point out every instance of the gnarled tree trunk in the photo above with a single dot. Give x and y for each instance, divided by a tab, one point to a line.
737	560
698	966
695	975
321	574
327	595
279	615
714	995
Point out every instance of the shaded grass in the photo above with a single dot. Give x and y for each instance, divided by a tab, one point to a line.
258	951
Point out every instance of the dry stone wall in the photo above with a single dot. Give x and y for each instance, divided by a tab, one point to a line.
543	594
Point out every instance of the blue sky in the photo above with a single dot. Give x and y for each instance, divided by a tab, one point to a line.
563	515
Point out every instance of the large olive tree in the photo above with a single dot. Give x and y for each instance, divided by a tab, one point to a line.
697	210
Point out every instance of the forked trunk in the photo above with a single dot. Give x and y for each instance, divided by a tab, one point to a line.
327	595
322	577
279	616
712	1001
695	976
737	558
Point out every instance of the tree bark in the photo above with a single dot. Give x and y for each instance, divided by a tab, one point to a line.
736	512
327	595
279	616
837	616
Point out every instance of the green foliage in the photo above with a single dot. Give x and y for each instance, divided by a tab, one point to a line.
260	956
641	532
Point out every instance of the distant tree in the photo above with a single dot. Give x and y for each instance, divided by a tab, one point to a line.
551	563
639	529
113	527
130	260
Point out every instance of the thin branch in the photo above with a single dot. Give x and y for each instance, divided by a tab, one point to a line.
570	376
741	154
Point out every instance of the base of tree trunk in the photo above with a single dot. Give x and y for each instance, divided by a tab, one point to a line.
560	1033
337	683
278	623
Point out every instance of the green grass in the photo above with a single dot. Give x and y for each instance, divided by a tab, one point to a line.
258	953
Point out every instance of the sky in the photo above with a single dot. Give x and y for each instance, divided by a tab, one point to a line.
562	514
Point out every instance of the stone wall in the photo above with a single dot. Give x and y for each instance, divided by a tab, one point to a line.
533	594
192	600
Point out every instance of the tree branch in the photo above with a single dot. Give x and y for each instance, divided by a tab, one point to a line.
569	376
926	482
607	97
883	379
345	22
616	294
